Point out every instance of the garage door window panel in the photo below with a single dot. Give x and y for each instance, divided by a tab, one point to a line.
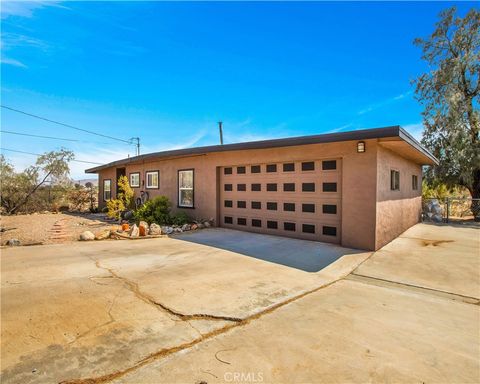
271	168
329	165
289	167
271	187
288	187
308	187
329	187
309	208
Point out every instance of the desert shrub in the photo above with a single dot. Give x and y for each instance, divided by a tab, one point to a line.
180	219
115	208
123	201
79	199
156	210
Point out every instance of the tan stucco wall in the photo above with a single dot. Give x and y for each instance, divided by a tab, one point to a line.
396	210
358	181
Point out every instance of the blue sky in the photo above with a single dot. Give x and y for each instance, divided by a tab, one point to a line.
167	72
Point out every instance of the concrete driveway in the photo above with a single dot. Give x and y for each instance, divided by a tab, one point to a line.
175	311
308	256
84	310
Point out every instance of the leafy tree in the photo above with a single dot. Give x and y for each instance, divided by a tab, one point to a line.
449	93
18	188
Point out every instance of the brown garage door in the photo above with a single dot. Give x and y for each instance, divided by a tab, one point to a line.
299	199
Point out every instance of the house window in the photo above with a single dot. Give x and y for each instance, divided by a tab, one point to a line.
308	166
414	182
271	167
151	178
135	180
107	189
394	180
329	165
185	188
255	169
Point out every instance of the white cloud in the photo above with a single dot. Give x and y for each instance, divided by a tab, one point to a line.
339	129
16	63
381	104
25	8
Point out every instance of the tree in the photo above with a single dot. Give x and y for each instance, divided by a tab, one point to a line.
18	188
449	93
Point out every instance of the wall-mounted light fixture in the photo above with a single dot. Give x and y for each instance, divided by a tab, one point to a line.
361	147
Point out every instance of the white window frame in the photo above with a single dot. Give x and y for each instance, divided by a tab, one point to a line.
105	182
415	182
394	180
180	189
137	185
151	186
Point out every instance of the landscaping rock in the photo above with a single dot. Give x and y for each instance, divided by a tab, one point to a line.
194	227
143	228
102	235
155	229
177	230
134	231
13	242
127	215
87	236
167	230
200	226
186	227
206	224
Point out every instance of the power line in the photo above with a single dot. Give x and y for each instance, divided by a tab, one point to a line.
65	125
37	154
49	137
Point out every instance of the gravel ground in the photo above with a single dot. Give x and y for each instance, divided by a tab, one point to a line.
37	228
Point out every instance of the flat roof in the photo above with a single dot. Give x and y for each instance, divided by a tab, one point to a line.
376	133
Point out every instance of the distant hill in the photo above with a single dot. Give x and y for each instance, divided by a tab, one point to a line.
84	181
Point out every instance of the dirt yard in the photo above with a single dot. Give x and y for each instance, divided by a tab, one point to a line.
50	228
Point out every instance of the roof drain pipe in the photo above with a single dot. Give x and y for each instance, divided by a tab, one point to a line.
221	132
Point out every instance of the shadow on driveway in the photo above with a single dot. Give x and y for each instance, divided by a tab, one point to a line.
308	256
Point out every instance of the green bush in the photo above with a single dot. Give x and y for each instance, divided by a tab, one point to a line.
156	210
180	219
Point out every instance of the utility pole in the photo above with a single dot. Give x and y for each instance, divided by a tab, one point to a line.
137	139
221	132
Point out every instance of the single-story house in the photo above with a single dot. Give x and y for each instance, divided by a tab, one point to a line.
360	189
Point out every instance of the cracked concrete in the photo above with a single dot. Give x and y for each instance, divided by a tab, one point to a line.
170	311
94	309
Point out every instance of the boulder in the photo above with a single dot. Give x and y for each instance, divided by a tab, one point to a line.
177	230
13	242
102	235
186	227
87	236
167	230
134	231
206	224
194	227
155	229
143	228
